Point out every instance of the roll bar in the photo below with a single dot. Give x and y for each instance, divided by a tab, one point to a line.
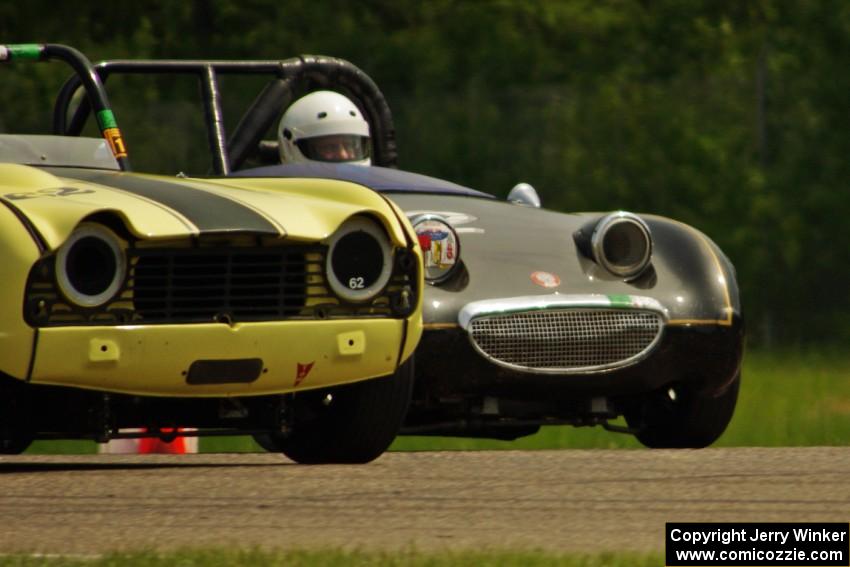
289	78
87	77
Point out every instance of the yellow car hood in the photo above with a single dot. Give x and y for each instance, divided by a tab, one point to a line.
55	200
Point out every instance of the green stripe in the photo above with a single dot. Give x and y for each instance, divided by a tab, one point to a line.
24	51
106	119
620	300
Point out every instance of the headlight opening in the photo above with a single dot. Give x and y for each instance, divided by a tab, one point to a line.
360	260
91	266
622	244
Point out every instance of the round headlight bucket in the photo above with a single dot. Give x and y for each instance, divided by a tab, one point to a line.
359	262
440	246
622	244
90	266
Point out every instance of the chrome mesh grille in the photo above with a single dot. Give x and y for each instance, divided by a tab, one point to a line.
567	339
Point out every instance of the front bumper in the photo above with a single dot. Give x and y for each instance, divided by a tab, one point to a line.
705	355
158	360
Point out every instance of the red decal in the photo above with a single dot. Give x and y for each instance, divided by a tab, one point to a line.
545	279
303	371
424	241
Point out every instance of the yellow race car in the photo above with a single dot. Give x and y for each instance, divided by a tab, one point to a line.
287	309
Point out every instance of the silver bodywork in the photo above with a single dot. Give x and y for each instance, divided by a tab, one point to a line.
42	150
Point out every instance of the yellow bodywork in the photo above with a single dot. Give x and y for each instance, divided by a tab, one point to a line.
19	251
311	211
313	207
154	359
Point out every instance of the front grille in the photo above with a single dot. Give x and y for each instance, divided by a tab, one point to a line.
240	284
566	340
224	284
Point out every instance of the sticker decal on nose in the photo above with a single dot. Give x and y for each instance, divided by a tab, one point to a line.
302	372
545	279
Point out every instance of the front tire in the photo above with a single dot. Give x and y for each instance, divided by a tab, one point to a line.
356	426
14	444
690	421
15	408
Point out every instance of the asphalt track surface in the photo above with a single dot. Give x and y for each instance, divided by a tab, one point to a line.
569	500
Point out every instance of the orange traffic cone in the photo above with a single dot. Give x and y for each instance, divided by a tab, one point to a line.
146	445
178	446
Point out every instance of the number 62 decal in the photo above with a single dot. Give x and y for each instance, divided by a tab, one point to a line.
49	192
356	283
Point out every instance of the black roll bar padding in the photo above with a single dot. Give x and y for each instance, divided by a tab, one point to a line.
340	75
90	81
60	109
253	125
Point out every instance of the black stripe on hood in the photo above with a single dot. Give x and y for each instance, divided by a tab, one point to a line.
208	211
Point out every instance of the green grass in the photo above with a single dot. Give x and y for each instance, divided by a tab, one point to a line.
62	448
789	398
796	398
257	558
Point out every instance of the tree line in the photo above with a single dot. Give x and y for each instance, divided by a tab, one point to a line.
729	116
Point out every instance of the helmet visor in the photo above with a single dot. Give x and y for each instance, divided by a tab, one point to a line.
335	148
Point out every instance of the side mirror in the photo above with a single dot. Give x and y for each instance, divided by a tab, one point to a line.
524	194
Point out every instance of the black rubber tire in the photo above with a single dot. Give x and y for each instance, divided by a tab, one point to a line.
265	441
356	427
15	408
14	445
692	421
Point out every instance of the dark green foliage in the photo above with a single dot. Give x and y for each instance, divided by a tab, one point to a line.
731	116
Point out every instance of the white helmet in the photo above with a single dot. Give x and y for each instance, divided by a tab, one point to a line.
323	126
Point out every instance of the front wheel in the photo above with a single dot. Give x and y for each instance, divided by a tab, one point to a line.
680	418
14	445
354	423
15	409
